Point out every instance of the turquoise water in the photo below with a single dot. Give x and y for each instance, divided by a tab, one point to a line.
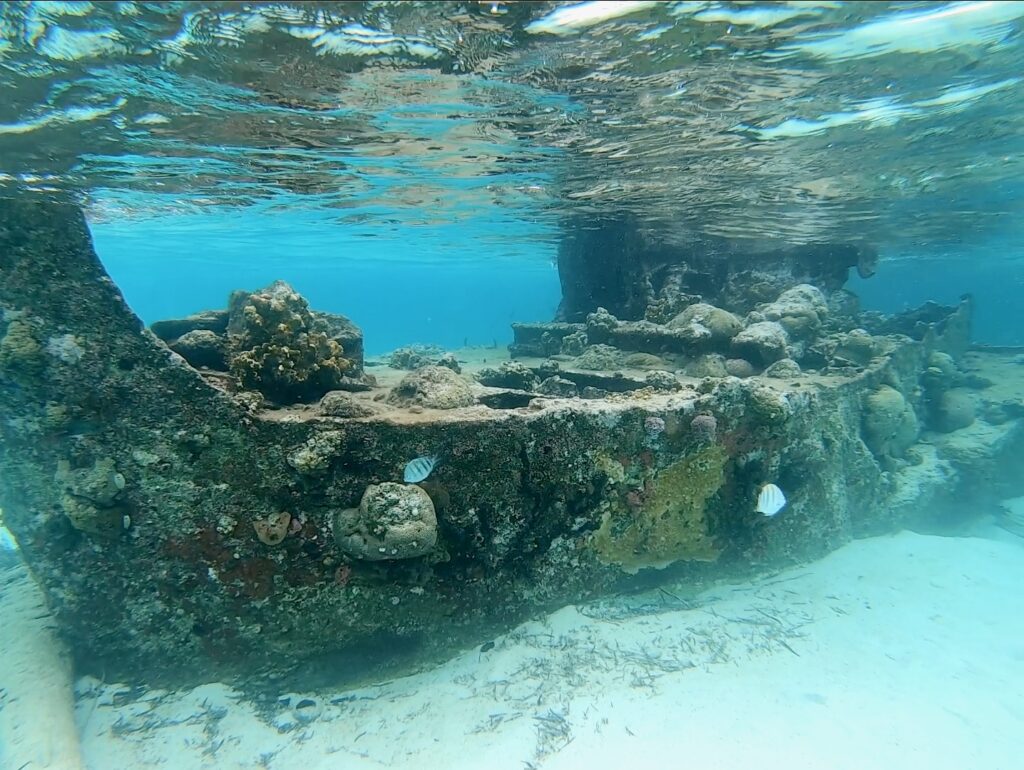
436	285
447	289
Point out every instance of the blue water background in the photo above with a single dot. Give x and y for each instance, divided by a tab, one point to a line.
456	284
449	285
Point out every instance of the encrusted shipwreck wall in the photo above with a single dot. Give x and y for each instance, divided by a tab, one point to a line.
213	519
634	274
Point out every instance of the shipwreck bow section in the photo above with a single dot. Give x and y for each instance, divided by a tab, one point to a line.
243	515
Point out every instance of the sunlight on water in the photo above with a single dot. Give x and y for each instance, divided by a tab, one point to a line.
662	107
565	21
950	26
888	111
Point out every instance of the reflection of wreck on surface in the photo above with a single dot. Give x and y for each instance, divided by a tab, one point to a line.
177	498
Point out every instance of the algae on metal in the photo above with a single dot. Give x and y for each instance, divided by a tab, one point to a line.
667	519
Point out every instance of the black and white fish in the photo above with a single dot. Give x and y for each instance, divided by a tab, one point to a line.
417	470
771	500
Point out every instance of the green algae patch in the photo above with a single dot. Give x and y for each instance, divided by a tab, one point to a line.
666	520
20	351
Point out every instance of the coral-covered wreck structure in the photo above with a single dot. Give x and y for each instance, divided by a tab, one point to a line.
222	496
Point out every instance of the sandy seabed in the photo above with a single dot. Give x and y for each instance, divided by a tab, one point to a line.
895	652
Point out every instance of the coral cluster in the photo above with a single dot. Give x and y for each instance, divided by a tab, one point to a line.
276	349
273	344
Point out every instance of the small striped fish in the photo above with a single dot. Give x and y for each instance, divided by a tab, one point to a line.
771	500
417	470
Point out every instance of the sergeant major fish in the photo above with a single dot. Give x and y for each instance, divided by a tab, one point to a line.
417	470
771	500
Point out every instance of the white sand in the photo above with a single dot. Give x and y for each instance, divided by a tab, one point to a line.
890	653
37	724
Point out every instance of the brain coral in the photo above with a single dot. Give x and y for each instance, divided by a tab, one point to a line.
393	521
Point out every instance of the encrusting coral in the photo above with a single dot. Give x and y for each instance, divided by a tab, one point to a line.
666	520
19	348
89	496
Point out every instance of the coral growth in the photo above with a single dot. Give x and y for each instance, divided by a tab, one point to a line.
950	406
645	361
704	321
202	347
599	358
90	497
764	342
510	374
666	519
707	365
662	380
20	351
277	350
705	427
739	367
574	344
783	368
393	521
315	455
273	529
415	356
559	387
434	387
889	423
953	410
339	403
799	310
